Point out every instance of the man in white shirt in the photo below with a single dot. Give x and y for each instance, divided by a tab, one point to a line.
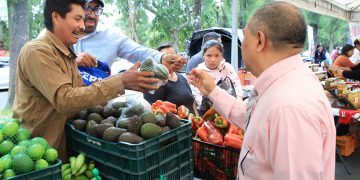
355	58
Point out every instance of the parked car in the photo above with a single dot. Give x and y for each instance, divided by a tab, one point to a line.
4	77
4	59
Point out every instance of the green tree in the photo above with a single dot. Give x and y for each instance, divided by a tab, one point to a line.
36	20
313	19
331	32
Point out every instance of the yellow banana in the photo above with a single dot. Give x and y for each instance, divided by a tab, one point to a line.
89	174
79	162
67	177
65	167
82	169
72	164
91	165
81	177
66	172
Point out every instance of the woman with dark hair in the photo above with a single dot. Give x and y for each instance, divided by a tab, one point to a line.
320	54
215	64
343	60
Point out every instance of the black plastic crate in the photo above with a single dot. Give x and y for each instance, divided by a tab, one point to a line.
215	162
52	172
168	155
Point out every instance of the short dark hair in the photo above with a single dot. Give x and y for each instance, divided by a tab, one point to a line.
60	6
346	48
283	24
212	43
357	41
210	36
164	46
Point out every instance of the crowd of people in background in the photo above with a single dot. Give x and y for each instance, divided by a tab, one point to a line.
342	62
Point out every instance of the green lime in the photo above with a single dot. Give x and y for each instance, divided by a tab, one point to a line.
36	151
22	163
22	135
10	129
6	161
6	146
1	166
8	173
51	155
25	143
41	164
17	121
18	149
39	140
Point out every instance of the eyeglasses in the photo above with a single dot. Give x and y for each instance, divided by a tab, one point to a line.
96	10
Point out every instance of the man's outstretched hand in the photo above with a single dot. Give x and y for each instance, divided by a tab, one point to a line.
202	80
142	81
173	61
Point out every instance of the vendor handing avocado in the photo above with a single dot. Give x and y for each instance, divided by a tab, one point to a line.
49	88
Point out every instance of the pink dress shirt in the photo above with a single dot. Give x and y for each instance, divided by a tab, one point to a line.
291	133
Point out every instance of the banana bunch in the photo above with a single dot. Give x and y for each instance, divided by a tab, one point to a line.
77	169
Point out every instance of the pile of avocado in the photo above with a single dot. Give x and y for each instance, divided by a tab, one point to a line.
120	122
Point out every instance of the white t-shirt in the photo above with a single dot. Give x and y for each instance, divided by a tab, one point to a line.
355	58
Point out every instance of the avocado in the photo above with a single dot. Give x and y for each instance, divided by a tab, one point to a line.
117	105
133	110
109	121
160	120
112	134
82	114
165	129
96	117
112	119
109	111
97	109
91	128
100	128
79	124
90	123
150	130
132	124
119	111
172	120
148	117
130	138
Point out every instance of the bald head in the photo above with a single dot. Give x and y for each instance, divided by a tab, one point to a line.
282	23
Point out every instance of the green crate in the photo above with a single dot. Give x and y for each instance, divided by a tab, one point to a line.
50	173
168	155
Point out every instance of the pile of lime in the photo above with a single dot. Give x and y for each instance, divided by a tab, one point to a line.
20	154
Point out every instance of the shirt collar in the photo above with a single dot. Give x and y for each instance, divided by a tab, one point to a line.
275	71
90	34
67	51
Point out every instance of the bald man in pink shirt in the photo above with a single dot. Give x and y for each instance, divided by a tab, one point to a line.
290	134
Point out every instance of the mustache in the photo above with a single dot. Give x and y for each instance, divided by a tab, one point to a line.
89	18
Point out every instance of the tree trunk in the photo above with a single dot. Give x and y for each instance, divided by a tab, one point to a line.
1	35
19	35
315	31
132	21
196	15
174	35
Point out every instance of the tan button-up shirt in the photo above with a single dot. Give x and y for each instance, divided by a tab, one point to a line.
49	90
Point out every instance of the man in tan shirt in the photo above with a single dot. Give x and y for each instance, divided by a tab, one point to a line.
49	88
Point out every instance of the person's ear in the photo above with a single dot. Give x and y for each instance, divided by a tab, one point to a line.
55	18
261	42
